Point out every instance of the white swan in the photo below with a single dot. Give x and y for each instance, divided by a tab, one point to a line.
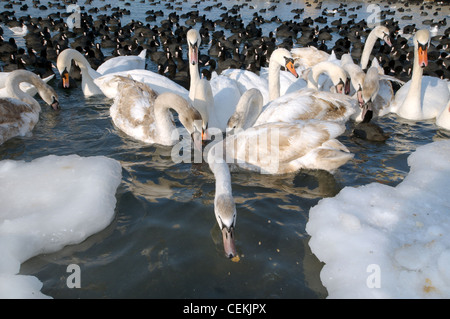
274	148
116	64
270	88
142	114
19	113
423	97
225	91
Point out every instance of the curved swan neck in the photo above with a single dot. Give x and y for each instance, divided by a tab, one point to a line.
13	86
88	74
323	67
368	47
248	108
220	169
163	104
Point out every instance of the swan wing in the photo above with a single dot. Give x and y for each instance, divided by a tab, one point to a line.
132	110
308	104
277	148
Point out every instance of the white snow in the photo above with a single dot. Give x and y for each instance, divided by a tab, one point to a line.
379	241
49	203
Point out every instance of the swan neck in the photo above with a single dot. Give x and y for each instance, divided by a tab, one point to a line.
316	71
195	78
416	79
88	74
164	124
220	169
274	80
250	105
368	47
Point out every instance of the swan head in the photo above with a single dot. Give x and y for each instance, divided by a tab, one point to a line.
49	95
370	90
193	41
192	121
382	32
421	44
284	58
225	211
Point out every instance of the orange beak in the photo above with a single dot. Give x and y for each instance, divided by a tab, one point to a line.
290	68
65	80
423	57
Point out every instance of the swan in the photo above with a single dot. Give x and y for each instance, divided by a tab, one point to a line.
274	148
423	97
113	65
159	83
270	88
19	112
225	91
144	115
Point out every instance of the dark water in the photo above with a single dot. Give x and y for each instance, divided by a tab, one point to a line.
164	241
